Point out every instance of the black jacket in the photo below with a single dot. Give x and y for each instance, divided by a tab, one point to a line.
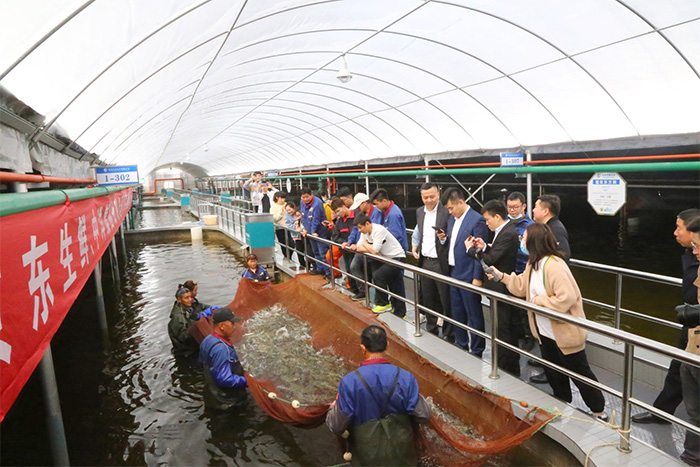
443	252
690	273
562	237
502	253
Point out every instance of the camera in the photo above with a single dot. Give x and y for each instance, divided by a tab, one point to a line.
688	315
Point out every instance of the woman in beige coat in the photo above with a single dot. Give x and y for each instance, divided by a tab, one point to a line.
548	282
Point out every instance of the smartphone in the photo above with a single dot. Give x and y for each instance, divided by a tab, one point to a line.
438	230
487	269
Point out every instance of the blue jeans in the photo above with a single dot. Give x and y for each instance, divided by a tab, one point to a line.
466	308
318	250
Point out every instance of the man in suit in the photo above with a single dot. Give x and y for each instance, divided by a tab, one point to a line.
464	224
432	255
501	252
546	211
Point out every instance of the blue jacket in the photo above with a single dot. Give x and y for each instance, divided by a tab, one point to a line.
260	274
520	226
357	403
467	268
312	217
396	224
222	361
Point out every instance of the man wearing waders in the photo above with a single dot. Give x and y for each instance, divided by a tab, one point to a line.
377	404
225	385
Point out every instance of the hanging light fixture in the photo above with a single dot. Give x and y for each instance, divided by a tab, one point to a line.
206	148
344	75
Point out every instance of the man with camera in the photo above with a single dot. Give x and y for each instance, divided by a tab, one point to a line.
501	252
672	393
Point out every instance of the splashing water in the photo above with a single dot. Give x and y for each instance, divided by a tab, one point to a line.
277	347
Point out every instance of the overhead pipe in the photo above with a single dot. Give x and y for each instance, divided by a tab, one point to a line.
14	203
163	180
588	168
497	164
36	178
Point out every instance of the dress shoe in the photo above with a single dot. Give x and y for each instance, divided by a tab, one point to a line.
315	272
534	363
539	378
358	297
646	418
450	339
527	343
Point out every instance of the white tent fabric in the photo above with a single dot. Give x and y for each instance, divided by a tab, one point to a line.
238	85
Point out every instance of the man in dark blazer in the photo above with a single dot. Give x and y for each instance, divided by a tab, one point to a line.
432	256
502	252
464	224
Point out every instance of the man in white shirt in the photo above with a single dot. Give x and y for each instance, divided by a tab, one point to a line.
432	256
375	239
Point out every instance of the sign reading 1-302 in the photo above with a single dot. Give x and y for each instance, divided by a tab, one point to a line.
122	175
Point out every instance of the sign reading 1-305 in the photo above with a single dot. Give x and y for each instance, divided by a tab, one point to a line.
122	175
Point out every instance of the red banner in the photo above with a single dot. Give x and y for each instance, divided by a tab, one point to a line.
47	255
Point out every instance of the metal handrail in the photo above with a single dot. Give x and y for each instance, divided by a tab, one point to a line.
630	340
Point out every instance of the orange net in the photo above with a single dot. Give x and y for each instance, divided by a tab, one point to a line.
337	323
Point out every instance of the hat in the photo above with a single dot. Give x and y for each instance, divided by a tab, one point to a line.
357	200
224	314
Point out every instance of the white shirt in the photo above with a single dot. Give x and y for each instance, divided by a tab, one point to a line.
453	236
427	244
544	324
383	242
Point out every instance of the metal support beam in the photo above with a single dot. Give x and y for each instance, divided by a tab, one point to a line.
100	302
528	156
54	419
121	234
366	179
494	333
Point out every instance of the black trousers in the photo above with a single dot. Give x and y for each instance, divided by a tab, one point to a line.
509	327
434	295
283	238
576	362
386	276
347	259
299	246
671	394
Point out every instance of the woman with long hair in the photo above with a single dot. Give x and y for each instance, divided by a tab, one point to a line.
548	282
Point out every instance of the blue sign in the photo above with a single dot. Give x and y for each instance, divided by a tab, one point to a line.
127	174
512	159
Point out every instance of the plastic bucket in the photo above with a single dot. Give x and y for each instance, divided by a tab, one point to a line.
196	233
211	219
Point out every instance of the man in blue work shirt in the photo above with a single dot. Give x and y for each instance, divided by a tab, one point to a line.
225	385
313	217
377	404
395	223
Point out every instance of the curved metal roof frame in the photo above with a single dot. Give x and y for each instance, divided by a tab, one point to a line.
257	131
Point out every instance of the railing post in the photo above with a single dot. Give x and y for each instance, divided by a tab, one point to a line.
54	419
618	302
626	394
121	233
416	313
366	280
494	333
331	267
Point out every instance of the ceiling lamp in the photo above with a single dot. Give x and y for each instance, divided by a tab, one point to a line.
206	148
344	75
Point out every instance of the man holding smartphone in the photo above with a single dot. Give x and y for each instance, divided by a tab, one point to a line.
432	255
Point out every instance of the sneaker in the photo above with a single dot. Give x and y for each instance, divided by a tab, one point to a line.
315	272
603	418
381	308
358	297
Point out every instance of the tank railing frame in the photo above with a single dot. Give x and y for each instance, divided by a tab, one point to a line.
630	340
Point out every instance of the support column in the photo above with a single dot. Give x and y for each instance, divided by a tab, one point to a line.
367	192
54	419
426	163
121	234
100	302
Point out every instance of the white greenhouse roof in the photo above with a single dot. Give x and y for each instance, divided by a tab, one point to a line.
234	86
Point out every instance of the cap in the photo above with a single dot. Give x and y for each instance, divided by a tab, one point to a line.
357	200
224	314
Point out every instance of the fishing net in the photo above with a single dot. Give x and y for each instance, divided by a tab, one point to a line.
468	421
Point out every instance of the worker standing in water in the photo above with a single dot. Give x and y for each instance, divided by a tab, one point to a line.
225	385
377	404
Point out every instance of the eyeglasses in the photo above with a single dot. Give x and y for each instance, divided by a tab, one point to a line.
692	243
514	208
